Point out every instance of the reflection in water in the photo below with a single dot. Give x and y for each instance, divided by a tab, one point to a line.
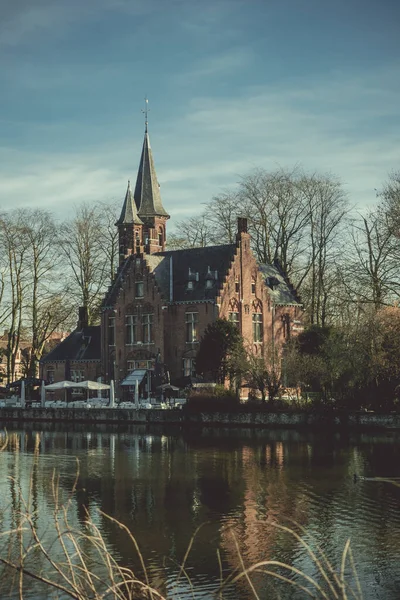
164	484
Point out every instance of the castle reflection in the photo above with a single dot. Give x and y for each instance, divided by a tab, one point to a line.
164	484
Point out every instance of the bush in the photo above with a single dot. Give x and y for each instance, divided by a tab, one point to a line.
218	399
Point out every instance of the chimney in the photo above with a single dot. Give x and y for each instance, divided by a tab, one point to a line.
242	225
82	318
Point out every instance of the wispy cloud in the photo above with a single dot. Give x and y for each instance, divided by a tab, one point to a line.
345	124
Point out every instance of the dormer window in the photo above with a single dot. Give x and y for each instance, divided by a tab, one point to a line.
272	282
209	279
192	277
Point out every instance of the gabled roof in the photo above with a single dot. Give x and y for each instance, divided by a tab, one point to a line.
216	259
81	344
147	190
129	210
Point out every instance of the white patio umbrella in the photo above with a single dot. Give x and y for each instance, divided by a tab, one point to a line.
91	385
22	394
43	395
136	393
112	394
60	385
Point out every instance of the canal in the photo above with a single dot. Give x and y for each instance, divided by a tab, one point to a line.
239	485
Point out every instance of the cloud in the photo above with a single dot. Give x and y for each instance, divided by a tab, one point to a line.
345	124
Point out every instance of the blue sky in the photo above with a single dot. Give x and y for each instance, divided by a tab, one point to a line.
232	85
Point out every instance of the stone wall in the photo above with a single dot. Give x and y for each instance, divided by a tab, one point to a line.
300	420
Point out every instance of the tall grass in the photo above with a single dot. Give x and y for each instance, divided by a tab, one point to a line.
77	562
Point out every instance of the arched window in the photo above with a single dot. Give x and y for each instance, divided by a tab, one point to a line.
257	319
160	237
234	315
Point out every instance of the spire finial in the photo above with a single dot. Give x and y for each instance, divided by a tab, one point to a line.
146	111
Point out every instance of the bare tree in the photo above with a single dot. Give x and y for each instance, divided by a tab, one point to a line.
15	245
390	201
108	233
46	305
278	217
193	232
372	274
82	246
264	373
327	208
222	213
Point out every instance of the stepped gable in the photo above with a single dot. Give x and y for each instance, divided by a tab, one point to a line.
216	258
81	344
279	288
116	285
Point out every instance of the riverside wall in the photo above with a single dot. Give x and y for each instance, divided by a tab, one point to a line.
298	420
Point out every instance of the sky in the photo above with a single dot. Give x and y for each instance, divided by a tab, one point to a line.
233	85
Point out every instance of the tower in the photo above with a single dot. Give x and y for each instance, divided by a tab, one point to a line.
130	227
148	201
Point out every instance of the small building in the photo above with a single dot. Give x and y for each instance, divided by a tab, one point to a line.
77	357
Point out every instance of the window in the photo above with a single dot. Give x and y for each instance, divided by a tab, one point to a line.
189	367
130	365
209	283
77	375
130	328
147	322
160	237
234	318
50	375
192	326
237	286
190	285
253	287
286	325
139	289
257	327
111	331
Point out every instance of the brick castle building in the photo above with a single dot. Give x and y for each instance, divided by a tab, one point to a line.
160	301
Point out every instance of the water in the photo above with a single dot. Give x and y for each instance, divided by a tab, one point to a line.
164	484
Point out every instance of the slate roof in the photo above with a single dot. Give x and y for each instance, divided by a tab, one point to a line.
279	287
129	210
83	344
198	260
147	190
214	259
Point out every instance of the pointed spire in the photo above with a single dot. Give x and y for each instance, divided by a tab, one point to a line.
129	211
146	113
147	190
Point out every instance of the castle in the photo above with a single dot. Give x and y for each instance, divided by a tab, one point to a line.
160	301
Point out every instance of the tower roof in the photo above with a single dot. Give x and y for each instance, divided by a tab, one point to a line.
147	191
129	212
